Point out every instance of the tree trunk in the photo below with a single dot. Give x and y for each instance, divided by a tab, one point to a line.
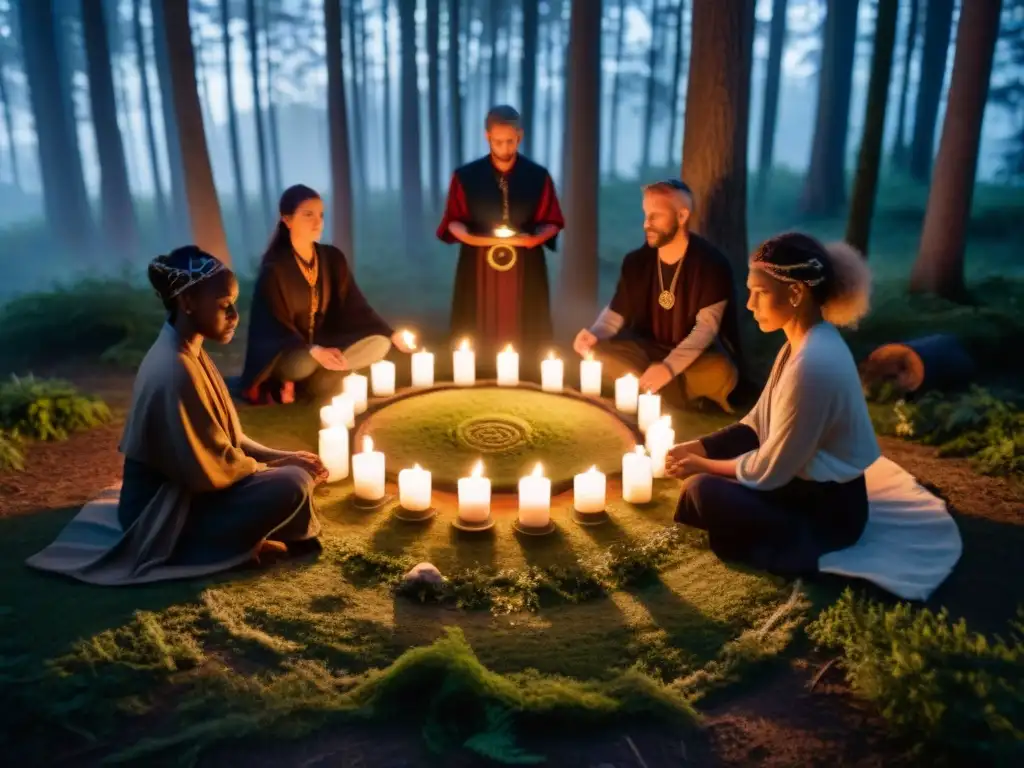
65	199
865	184
938	22
357	136
117	214
553	61
770	109
147	114
652	81
492	47
412	174
454	83
171	20
939	268
531	33
257	109
5	98
385	7
611	161
578	289
715	135
241	201
899	144
275	140
435	183
825	184
174	217
677	74
342	215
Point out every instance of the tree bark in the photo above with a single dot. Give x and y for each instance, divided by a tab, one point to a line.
234	140
435	183
342	215
412	174
171	20
899	144
677	73
386	129
455	82
5	98
492	47
275	140
553	62
770	109
652	81
939	267
611	161
156	171
257	109
825	184
356	99
582	175
176	213
531	33
117	213
937	29
715	135
865	184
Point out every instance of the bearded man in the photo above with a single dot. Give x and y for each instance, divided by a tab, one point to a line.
672	320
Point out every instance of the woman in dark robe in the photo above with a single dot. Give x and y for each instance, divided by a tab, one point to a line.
310	324
198	495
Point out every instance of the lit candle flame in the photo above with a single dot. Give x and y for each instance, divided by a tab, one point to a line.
538	471
503	231
592	470
464	345
478	469
551	355
508	348
417	468
367	444
629	377
648	392
409	338
590	355
640	451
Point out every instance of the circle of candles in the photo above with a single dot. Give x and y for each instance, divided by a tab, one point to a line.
535	499
588	491
414	489
637	477
423	369
334	452
660	439
475	496
508	367
464	365
355	387
648	410
368	472
590	375
382	378
627	393
551	373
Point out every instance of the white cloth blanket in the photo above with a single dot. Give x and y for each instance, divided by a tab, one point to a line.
910	544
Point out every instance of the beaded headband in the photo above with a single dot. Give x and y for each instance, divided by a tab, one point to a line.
810	272
179	279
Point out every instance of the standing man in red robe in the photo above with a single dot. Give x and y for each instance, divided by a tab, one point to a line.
503	211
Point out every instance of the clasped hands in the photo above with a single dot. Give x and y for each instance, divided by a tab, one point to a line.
310	463
653	379
333	359
686	459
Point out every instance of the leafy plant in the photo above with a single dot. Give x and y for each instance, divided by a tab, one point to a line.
10	452
950	691
48	409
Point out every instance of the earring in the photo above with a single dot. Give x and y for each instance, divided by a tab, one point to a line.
795	301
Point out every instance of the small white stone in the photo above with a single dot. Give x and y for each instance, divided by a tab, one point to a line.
425	573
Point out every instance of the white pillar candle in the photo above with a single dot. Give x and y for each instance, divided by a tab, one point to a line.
475	496
637	477
464	365
355	387
343	411
368	472
551	374
334	452
660	439
626	393
588	491
423	369
382	378
508	367
590	376
414	489
648	410
535	499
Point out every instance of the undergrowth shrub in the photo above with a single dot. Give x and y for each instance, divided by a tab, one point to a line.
952	693
47	409
977	425
10	452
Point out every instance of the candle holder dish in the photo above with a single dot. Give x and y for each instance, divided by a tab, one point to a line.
369	505
473	527
591	518
401	513
534	530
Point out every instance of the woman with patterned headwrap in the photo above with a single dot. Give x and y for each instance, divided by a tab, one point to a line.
792	486
198	496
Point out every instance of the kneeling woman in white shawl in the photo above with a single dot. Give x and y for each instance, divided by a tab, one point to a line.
198	496
786	484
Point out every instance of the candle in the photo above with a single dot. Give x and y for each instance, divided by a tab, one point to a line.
503	230
475	496
660	439
551	374
423	369
409	338
334	452
648	410
464	365
382	377
508	367
637	477
414	489
368	472
590	375
626	391
588	491
535	499
355	387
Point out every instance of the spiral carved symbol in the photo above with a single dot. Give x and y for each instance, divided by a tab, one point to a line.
491	434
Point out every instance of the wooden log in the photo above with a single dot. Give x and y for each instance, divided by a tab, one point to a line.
931	362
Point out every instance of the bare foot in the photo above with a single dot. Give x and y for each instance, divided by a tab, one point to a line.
288	392
272	548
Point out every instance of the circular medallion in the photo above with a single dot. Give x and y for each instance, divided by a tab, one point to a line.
667	300
501	258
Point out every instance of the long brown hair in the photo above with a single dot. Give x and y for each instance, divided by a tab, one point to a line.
291	199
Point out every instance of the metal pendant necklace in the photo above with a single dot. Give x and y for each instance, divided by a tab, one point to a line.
667	298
